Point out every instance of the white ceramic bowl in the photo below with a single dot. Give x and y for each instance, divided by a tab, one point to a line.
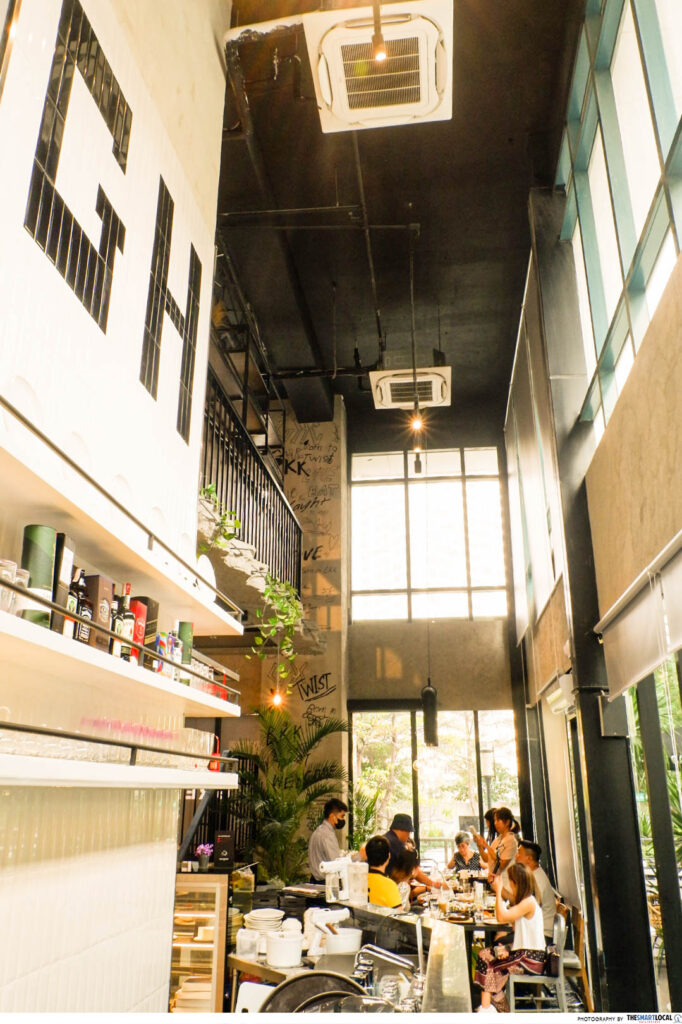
347	940
283	950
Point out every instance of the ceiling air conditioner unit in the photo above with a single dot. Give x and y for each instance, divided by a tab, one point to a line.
413	84
395	389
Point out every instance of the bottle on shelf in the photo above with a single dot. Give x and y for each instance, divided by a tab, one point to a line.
84	608
116	626
128	624
71	605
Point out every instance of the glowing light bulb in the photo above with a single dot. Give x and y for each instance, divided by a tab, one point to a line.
380	55
277	699
416	422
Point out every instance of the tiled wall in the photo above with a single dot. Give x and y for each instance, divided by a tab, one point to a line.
86	899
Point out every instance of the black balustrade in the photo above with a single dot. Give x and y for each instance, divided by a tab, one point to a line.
244	485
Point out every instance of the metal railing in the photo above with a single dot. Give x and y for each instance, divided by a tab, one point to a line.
231	461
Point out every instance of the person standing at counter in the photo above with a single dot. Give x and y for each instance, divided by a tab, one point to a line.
382	891
324	843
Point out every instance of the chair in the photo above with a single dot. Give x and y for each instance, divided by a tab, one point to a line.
251	996
545	980
574	962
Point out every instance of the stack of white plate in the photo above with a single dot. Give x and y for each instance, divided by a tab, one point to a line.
266	919
235	921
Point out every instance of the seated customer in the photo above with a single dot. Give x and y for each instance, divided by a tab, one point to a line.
528	854
403	871
464	857
382	891
527	953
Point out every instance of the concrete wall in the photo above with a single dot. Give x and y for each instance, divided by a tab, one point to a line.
469	662
634	485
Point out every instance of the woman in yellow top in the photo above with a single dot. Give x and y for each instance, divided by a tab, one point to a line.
382	891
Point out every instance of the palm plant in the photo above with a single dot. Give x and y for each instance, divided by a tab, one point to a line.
365	815
282	782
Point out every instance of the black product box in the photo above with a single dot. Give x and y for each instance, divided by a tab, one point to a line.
101	594
63	569
223	851
151	627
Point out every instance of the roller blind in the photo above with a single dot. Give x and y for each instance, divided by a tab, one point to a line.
634	642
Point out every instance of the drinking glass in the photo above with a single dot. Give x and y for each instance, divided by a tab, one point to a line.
7	572
21	577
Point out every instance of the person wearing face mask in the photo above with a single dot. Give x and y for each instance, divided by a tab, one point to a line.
324	843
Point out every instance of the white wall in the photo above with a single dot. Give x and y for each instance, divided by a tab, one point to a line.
80	385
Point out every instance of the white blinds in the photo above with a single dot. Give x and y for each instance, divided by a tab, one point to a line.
634	642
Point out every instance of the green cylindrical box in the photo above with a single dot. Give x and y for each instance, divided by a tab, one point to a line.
186	634
37	555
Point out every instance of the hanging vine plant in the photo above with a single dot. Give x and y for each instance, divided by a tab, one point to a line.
225	527
278	620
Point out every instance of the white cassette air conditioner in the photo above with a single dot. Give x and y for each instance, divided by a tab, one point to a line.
413	84
395	389
353	91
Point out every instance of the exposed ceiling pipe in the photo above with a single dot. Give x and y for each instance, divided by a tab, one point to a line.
301	373
368	247
235	77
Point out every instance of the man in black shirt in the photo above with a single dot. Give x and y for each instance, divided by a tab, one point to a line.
398	837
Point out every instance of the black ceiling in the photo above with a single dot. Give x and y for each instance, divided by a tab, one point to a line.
465	182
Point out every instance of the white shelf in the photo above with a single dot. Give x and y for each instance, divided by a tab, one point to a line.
27	649
17	770
35	485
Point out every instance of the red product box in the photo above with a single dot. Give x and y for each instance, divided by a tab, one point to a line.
139	610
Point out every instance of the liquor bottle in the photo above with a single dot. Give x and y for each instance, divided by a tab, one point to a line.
84	608
128	624
71	605
116	626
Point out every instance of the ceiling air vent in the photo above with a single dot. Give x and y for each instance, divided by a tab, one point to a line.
395	389
413	84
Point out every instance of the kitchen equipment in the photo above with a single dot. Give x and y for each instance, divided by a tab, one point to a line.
346	940
247	943
315	921
283	949
336	879
357	883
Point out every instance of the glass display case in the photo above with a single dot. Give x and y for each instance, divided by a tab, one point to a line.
199	932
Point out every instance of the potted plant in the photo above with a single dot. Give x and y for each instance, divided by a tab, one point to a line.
281	781
204	852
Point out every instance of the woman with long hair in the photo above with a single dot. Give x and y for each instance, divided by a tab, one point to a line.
527	953
500	853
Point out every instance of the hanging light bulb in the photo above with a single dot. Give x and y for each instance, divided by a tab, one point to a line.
378	44
416	423
276	698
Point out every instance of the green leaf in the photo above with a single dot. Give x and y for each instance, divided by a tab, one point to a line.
258	640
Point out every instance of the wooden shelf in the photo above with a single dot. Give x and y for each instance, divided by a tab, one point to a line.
18	770
35	486
27	649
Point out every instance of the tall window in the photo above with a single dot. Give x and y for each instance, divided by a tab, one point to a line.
427	544
621	167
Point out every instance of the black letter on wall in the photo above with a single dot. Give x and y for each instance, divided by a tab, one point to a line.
86	270
160	300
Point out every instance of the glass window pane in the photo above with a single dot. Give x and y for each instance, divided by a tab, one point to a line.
378	467
662	269
378	606
498	760
437	464
480	461
484	515
634	120
440	605
584	302
437	552
379	560
489	604
446	775
382	771
624	363
609	257
670	18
